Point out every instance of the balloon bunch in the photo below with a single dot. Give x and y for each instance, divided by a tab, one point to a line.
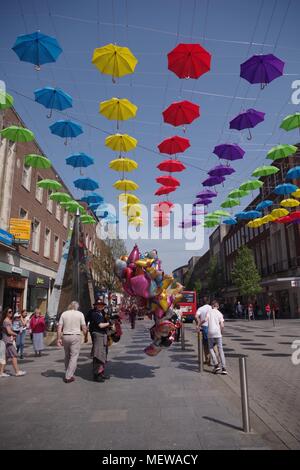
142	277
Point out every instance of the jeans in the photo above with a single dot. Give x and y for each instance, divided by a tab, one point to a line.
218	342
20	342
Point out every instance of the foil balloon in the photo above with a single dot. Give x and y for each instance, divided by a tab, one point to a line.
134	255
140	286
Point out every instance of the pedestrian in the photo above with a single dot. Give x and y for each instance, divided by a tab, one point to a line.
215	321
99	326
239	310
202	324
268	311
97	307
8	337
38	328
70	326
250	312
132	315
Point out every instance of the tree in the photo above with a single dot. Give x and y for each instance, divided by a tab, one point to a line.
111	250
245	274
215	277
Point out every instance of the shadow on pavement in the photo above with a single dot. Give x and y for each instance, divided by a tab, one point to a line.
218	421
118	369
53	373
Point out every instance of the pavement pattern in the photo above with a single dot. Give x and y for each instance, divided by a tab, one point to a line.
149	403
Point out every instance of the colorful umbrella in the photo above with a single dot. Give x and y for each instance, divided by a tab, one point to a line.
86	184
121	142
203	201
247	120
295	215
60	197
251	214
268	218
37	161
229	221
221	213
72	207
118	109
189	60
207	193
240	215
171	166
180	113
53	98
290	122
284	220
128	198
230	203
281	151
238	193
174	145
210	223
52	185
65	129
114	60
213	181
286	188
197	211
296	193
136	221
264	204
265	170
132	210
164	207
279	213
17	134
251	185
94	205
88	221
164	190
293	173
123	164
229	152
6	100
221	170
37	48
79	160
85	218
92	198
263	69
289	203
126	185
254	223
168	181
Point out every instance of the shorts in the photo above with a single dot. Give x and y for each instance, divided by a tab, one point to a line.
2	353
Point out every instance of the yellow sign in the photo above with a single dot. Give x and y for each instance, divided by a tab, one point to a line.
20	228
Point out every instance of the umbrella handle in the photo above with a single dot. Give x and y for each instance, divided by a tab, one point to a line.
50	114
263	85
250	135
37	67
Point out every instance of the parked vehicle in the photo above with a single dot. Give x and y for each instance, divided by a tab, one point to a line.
188	306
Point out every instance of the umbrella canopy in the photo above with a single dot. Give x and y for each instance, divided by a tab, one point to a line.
121	142
221	170
281	151
293	173
238	193
174	145
6	100
123	164
296	193
60	197
207	193
164	190
251	214
290	122
132	210
53	98
94	205
17	134
86	184
92	198
37	161
289	203
210	223
255	223
197	211
168	181
230	203
229	152
265	170
37	48
180	113
221	213
189	60
128	198
268	218
229	221
136	221
52	185
118	109
285	188
213	181
262	68
202	201
247	120
295	215
126	185
240	215
79	160
86	217
114	60
88	221
188	223
72	207
65	129
264	204
251	185
171	166
284	220
279	213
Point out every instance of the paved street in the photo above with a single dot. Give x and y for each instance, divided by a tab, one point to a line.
149	403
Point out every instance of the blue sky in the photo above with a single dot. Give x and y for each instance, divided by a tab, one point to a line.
231	31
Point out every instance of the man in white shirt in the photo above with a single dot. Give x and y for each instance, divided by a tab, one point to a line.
70	325
200	316
215	321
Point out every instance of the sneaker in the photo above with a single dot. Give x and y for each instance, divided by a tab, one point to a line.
105	377
4	374
224	371
68	381
21	356
216	369
21	373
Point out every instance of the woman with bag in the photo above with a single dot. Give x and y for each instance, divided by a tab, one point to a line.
8	337
38	328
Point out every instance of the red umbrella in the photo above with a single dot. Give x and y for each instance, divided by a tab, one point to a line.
161	221
284	220
174	145
168	181
189	60
164	207
181	112
295	215
164	190
171	166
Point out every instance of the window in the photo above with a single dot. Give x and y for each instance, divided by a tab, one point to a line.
49	202
87	241
65	222
23	214
39	191
56	249
47	243
58	212
26	177
36	232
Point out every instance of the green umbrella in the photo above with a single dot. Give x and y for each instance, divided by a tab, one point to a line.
212	215
281	151
17	134
230	202
60	197
6	100
265	170
292	121
210	223
53	185
238	193
37	161
221	213
251	185
72	207
90	221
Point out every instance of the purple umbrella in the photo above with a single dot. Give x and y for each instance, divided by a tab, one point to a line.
262	69
203	201
221	170
246	120
229	151
198	212
207	193
187	223
213	180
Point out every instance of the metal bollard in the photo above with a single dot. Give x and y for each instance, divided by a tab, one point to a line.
244	394
200	351
273	314
182	336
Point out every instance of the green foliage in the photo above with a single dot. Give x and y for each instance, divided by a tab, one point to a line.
245	274
215	277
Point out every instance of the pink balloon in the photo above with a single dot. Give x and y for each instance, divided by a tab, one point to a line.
127	273
159	313
140	285
134	255
127	288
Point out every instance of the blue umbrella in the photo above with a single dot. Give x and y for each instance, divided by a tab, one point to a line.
102	211
86	184
94	205
229	221
53	98
66	129
251	215
293	173
92	197
79	160
240	215
37	48
263	205
285	188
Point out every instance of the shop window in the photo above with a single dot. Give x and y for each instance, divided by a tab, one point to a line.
47	243
49	202
39	191
36	232
26	177
56	249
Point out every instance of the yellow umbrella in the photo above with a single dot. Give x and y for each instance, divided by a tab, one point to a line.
289	203
268	218
114	60
279	213
118	109
136	221
121	142
123	164
132	210
296	193
129	198
255	223
126	185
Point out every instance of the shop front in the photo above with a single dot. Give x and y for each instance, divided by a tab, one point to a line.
13	286
38	292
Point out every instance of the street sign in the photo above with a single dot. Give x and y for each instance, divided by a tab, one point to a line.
20	228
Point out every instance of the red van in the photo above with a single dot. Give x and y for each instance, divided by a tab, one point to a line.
188	305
